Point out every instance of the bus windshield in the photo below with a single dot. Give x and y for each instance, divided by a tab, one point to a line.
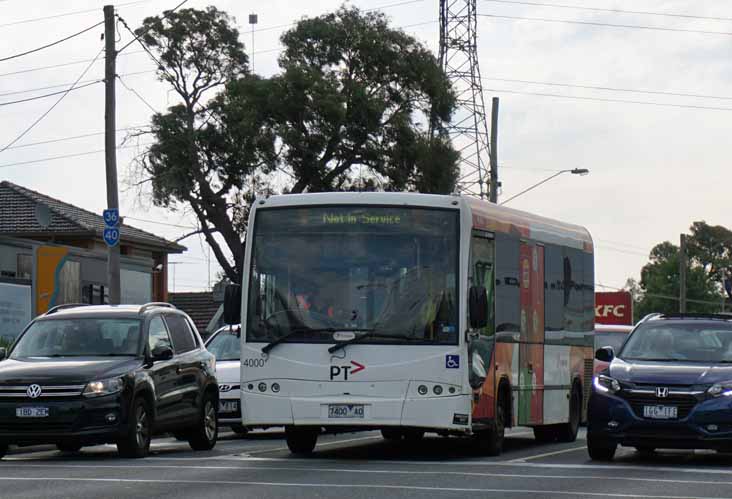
388	273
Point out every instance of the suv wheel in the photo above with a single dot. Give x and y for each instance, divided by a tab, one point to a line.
136	443
301	441
69	446
600	450
206	433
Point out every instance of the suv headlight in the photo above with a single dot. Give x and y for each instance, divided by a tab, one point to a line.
719	389
103	387
606	384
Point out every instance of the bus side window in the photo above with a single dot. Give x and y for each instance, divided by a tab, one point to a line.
482	273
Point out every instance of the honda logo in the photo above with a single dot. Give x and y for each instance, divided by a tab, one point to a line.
662	392
34	391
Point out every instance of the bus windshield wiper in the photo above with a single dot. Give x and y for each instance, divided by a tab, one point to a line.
371	334
268	347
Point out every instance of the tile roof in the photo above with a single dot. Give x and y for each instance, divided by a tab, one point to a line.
17	217
200	306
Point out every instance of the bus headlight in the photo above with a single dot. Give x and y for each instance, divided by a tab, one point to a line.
606	384
422	389
262	387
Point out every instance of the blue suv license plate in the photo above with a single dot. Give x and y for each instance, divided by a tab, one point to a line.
660	411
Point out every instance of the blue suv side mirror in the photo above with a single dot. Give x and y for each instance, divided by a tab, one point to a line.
605	354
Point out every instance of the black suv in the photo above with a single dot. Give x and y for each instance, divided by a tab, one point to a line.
669	386
87	375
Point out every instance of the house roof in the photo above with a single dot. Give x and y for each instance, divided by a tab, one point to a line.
18	218
200	306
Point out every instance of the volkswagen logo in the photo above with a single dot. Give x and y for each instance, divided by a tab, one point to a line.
34	391
662	392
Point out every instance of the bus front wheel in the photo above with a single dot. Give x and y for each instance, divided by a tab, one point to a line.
301	441
490	441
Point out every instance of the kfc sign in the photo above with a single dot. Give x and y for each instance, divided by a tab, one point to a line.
614	308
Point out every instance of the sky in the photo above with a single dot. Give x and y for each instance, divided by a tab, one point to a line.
653	130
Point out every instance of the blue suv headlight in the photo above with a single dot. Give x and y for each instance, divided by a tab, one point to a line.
720	389
606	384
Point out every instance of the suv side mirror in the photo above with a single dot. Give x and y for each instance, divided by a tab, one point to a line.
605	354
478	307
161	352
232	304
3	353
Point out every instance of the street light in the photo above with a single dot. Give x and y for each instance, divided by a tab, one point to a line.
574	171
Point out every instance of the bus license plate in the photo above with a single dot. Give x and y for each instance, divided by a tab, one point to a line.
345	411
31	412
660	411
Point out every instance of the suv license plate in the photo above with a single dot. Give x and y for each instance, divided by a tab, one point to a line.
227	406
660	411
31	412
352	411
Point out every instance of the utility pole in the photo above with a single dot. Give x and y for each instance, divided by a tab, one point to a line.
682	275
110	146
494	152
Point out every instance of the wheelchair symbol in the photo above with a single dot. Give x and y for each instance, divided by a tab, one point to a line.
452	361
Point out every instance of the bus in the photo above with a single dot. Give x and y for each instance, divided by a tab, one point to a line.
411	313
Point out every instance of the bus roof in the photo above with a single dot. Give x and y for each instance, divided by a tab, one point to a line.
485	215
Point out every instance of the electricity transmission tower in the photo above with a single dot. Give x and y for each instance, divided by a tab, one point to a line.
469	129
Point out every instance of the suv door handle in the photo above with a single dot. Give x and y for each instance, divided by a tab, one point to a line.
177	369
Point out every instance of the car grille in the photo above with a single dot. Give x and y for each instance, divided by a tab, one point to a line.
20	392
684	403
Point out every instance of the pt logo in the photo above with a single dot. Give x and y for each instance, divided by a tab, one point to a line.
344	371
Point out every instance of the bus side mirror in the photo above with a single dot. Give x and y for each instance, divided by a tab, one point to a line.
605	354
478	307
232	304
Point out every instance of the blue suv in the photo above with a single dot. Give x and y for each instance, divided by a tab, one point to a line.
669	386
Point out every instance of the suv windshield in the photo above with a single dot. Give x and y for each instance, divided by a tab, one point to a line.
692	341
388	271
79	337
226	345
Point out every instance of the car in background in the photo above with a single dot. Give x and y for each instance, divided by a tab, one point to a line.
669	386
607	335
225	345
85	375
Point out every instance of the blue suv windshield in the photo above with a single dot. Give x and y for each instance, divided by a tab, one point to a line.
79	337
691	341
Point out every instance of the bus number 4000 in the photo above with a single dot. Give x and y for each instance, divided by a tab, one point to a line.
253	362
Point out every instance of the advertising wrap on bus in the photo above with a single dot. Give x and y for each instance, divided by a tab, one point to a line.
614	308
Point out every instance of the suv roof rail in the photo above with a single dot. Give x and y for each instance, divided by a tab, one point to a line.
693	315
649	317
55	309
156	304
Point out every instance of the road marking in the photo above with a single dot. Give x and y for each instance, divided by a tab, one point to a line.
547	454
373	471
324	444
541	492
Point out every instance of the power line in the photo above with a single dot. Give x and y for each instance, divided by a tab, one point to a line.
166	13
162	223
7	103
607	25
56	16
61	85
73	137
603	99
54	66
617	11
66	156
40	118
51	44
611	89
155	111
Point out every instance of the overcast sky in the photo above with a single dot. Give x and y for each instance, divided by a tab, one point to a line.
654	168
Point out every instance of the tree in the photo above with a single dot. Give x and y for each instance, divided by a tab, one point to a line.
343	114
709	263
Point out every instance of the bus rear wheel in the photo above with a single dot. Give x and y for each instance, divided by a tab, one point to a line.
301	441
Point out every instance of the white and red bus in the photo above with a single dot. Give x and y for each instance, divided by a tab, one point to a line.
413	313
